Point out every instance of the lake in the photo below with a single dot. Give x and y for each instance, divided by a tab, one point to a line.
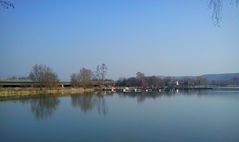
205	116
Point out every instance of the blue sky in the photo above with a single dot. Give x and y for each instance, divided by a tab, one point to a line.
156	37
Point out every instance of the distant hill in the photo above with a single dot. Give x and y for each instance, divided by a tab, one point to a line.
224	76
210	77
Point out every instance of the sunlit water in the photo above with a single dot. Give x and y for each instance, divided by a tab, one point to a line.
206	116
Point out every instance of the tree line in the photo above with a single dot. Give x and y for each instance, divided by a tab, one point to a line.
85	77
44	76
140	80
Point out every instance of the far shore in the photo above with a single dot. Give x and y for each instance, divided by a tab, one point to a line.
27	92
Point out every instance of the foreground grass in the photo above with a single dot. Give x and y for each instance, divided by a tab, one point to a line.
24	92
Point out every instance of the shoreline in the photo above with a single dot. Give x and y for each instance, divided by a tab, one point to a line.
30	92
8	93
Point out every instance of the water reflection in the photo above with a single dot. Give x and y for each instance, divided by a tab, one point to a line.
162	115
43	107
142	97
88	102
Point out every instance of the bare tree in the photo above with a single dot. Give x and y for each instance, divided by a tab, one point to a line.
101	71
74	80
216	6
43	76
6	4
141	77
100	74
84	78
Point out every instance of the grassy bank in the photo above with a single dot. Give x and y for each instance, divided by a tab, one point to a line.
24	92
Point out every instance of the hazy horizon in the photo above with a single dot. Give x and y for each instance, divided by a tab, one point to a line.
167	37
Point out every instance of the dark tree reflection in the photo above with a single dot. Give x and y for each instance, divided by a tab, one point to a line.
44	107
88	102
142	97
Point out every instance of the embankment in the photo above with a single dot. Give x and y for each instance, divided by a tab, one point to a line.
25	92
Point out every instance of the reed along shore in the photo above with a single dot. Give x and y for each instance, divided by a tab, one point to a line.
24	92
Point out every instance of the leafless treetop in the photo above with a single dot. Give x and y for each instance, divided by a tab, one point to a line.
6	4
216	6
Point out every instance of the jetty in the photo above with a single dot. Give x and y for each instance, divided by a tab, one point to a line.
151	89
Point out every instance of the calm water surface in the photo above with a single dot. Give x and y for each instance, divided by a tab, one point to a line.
206	116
